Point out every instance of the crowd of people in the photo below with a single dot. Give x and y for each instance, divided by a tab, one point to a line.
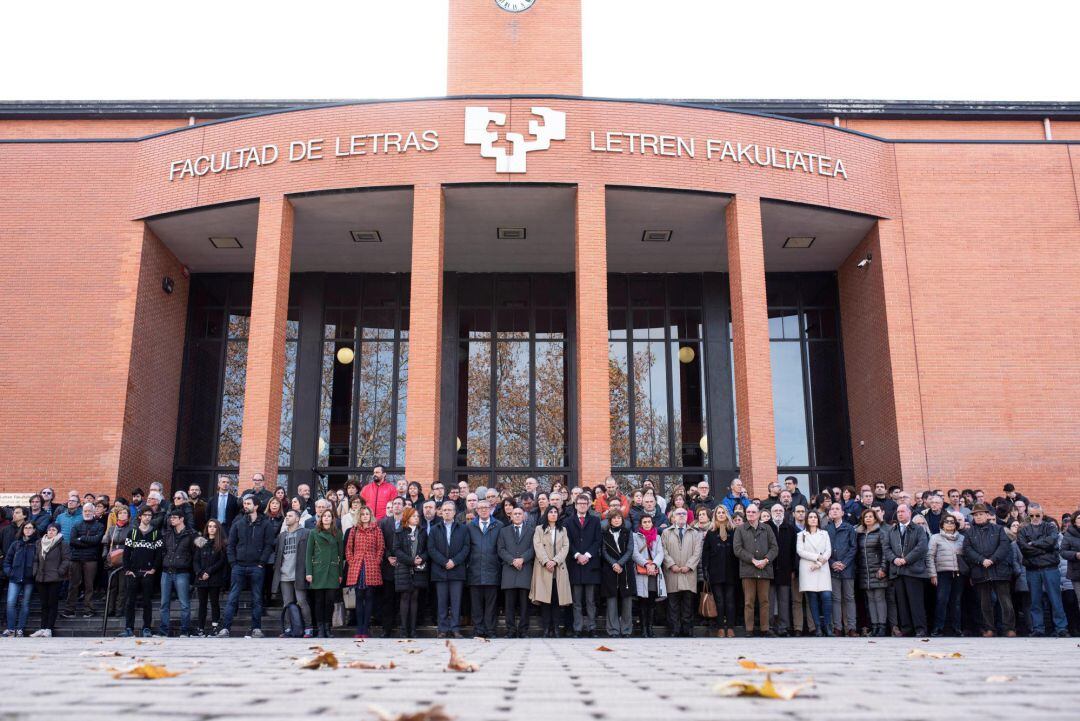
606	560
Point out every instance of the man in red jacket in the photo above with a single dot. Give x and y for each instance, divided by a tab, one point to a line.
378	493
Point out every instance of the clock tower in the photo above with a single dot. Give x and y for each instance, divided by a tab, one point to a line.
514	47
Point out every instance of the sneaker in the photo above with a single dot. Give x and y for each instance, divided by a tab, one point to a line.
223	633
88	613
161	633
256	633
67	614
126	633
43	633
19	634
8	633
198	633
1061	634
309	633
147	633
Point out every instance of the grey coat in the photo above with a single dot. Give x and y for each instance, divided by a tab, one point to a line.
943	555
301	559
913	550
754	544
509	548
642	556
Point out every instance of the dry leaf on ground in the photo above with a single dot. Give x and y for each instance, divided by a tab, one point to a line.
100	653
432	713
371	666
144	671
603	648
406	640
768	689
919	653
755	666
321	658
457	662
481	639
1001	679
414	650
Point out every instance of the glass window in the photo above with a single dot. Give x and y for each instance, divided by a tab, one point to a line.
657	375
789	405
511	399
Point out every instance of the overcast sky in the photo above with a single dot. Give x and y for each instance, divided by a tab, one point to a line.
912	50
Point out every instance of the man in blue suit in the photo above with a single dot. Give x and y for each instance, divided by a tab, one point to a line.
583	532
448	547
485	569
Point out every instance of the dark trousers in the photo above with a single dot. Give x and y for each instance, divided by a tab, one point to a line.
139	586
365	605
550	613
81	576
322	606
212	596
986	592
950	586
50	603
408	605
517	610
448	594
484	606
386	598
724	595
680	608
910	604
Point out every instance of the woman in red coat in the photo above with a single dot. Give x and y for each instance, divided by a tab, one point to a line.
363	554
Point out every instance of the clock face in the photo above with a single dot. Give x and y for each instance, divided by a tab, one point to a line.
515	6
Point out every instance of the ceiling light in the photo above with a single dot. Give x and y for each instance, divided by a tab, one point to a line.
365	236
510	234
656	236
799	241
221	243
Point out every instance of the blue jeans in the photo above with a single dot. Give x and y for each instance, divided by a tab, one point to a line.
365	604
950	587
13	592
821	608
1046	580
252	577
182	583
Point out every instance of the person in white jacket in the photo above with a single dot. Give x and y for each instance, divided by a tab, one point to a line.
815	580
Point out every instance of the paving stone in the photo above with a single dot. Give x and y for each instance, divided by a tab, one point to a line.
561	680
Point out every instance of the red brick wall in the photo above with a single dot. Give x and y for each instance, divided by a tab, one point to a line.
88	128
153	383
492	51
69	269
590	301
992	235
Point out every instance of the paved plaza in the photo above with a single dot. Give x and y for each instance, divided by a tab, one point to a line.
564	680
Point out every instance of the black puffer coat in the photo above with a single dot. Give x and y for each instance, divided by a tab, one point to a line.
407	575
1070	547
869	559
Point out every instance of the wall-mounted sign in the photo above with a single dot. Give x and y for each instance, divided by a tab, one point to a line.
481	129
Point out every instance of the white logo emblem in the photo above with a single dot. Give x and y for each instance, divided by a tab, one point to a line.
477	120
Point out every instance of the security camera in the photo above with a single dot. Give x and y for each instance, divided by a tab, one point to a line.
865	261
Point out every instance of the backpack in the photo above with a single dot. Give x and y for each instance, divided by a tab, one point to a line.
292	621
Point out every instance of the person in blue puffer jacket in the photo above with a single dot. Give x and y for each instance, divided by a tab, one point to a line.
19	569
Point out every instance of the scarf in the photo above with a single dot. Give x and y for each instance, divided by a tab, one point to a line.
650	535
47	543
951	536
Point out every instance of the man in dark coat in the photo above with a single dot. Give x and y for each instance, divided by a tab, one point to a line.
905	549
583	533
515	548
843	541
250	549
448	548
388	607
85	545
988	553
484	569
222	505
785	567
1038	541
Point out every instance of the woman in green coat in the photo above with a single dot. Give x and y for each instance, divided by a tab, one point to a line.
325	561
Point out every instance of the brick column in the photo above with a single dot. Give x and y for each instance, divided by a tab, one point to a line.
425	337
880	362
266	342
591	360
750	327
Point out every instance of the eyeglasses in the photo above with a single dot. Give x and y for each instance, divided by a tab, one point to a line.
1036	515
46	493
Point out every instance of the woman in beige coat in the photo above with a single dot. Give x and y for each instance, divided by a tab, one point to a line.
550	579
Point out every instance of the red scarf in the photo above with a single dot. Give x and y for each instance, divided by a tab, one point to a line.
650	535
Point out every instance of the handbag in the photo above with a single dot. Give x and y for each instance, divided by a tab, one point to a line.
339	615
348	595
115	558
707	605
